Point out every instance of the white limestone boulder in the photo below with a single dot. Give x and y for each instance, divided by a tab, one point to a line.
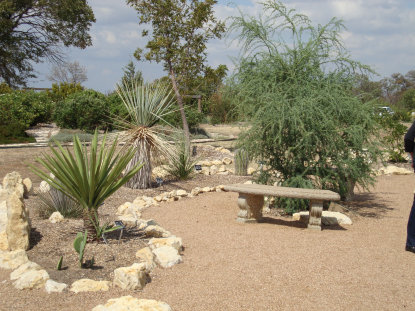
327	218
394	170
227	161
13	182
31	279
167	256
171	241
144	223
28	187
133	277
146	256
30	265
14	221
44	187
56	217
87	285
12	259
181	193
156	232
52	286
126	303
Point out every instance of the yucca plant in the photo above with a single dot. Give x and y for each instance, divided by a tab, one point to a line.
181	164
146	105
89	179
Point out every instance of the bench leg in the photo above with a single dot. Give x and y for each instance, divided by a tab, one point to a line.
250	207
316	209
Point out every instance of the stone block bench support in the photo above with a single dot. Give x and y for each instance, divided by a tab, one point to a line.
250	207
251	201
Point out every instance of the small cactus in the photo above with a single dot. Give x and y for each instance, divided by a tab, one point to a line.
241	162
79	245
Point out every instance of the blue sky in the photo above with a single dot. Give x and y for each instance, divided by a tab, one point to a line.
380	33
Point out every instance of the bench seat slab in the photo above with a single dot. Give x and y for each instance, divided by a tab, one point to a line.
250	208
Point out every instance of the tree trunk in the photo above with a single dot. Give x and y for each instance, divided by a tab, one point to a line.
181	106
141	180
88	216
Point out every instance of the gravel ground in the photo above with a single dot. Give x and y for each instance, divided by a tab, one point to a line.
275	265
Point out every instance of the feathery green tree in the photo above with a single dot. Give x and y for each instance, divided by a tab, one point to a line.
295	82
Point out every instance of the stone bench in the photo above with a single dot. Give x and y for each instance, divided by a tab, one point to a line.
251	200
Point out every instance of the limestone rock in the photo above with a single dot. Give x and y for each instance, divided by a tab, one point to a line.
206	189
87	285
44	186
167	256
227	161
142	223
130	303
217	162
30	265
205	170
158	198
133	277
13	259
195	191
32	279
172	241
222	169
129	208
156	232
52	286
146	255
181	193
213	170
13	182
251	170
14	221
56	217
128	220
327	218
28	187
394	170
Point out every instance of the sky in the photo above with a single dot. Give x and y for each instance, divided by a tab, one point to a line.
380	33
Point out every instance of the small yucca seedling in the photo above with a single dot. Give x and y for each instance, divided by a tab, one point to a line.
59	265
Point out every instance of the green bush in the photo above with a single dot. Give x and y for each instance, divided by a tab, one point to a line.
116	107
392	141
20	110
221	109
4	88
85	110
194	118
61	91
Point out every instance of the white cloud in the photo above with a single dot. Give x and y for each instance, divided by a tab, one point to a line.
379	33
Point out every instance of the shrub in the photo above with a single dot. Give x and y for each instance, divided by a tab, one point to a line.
194	117
116	106
85	110
5	88
221	109
394	132
308	128
61	91
20	110
66	136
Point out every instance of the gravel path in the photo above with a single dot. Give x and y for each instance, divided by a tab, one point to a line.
276	265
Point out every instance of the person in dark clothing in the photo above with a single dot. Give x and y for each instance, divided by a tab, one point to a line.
409	147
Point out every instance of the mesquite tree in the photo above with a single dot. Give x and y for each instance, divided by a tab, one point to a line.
295	83
180	30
